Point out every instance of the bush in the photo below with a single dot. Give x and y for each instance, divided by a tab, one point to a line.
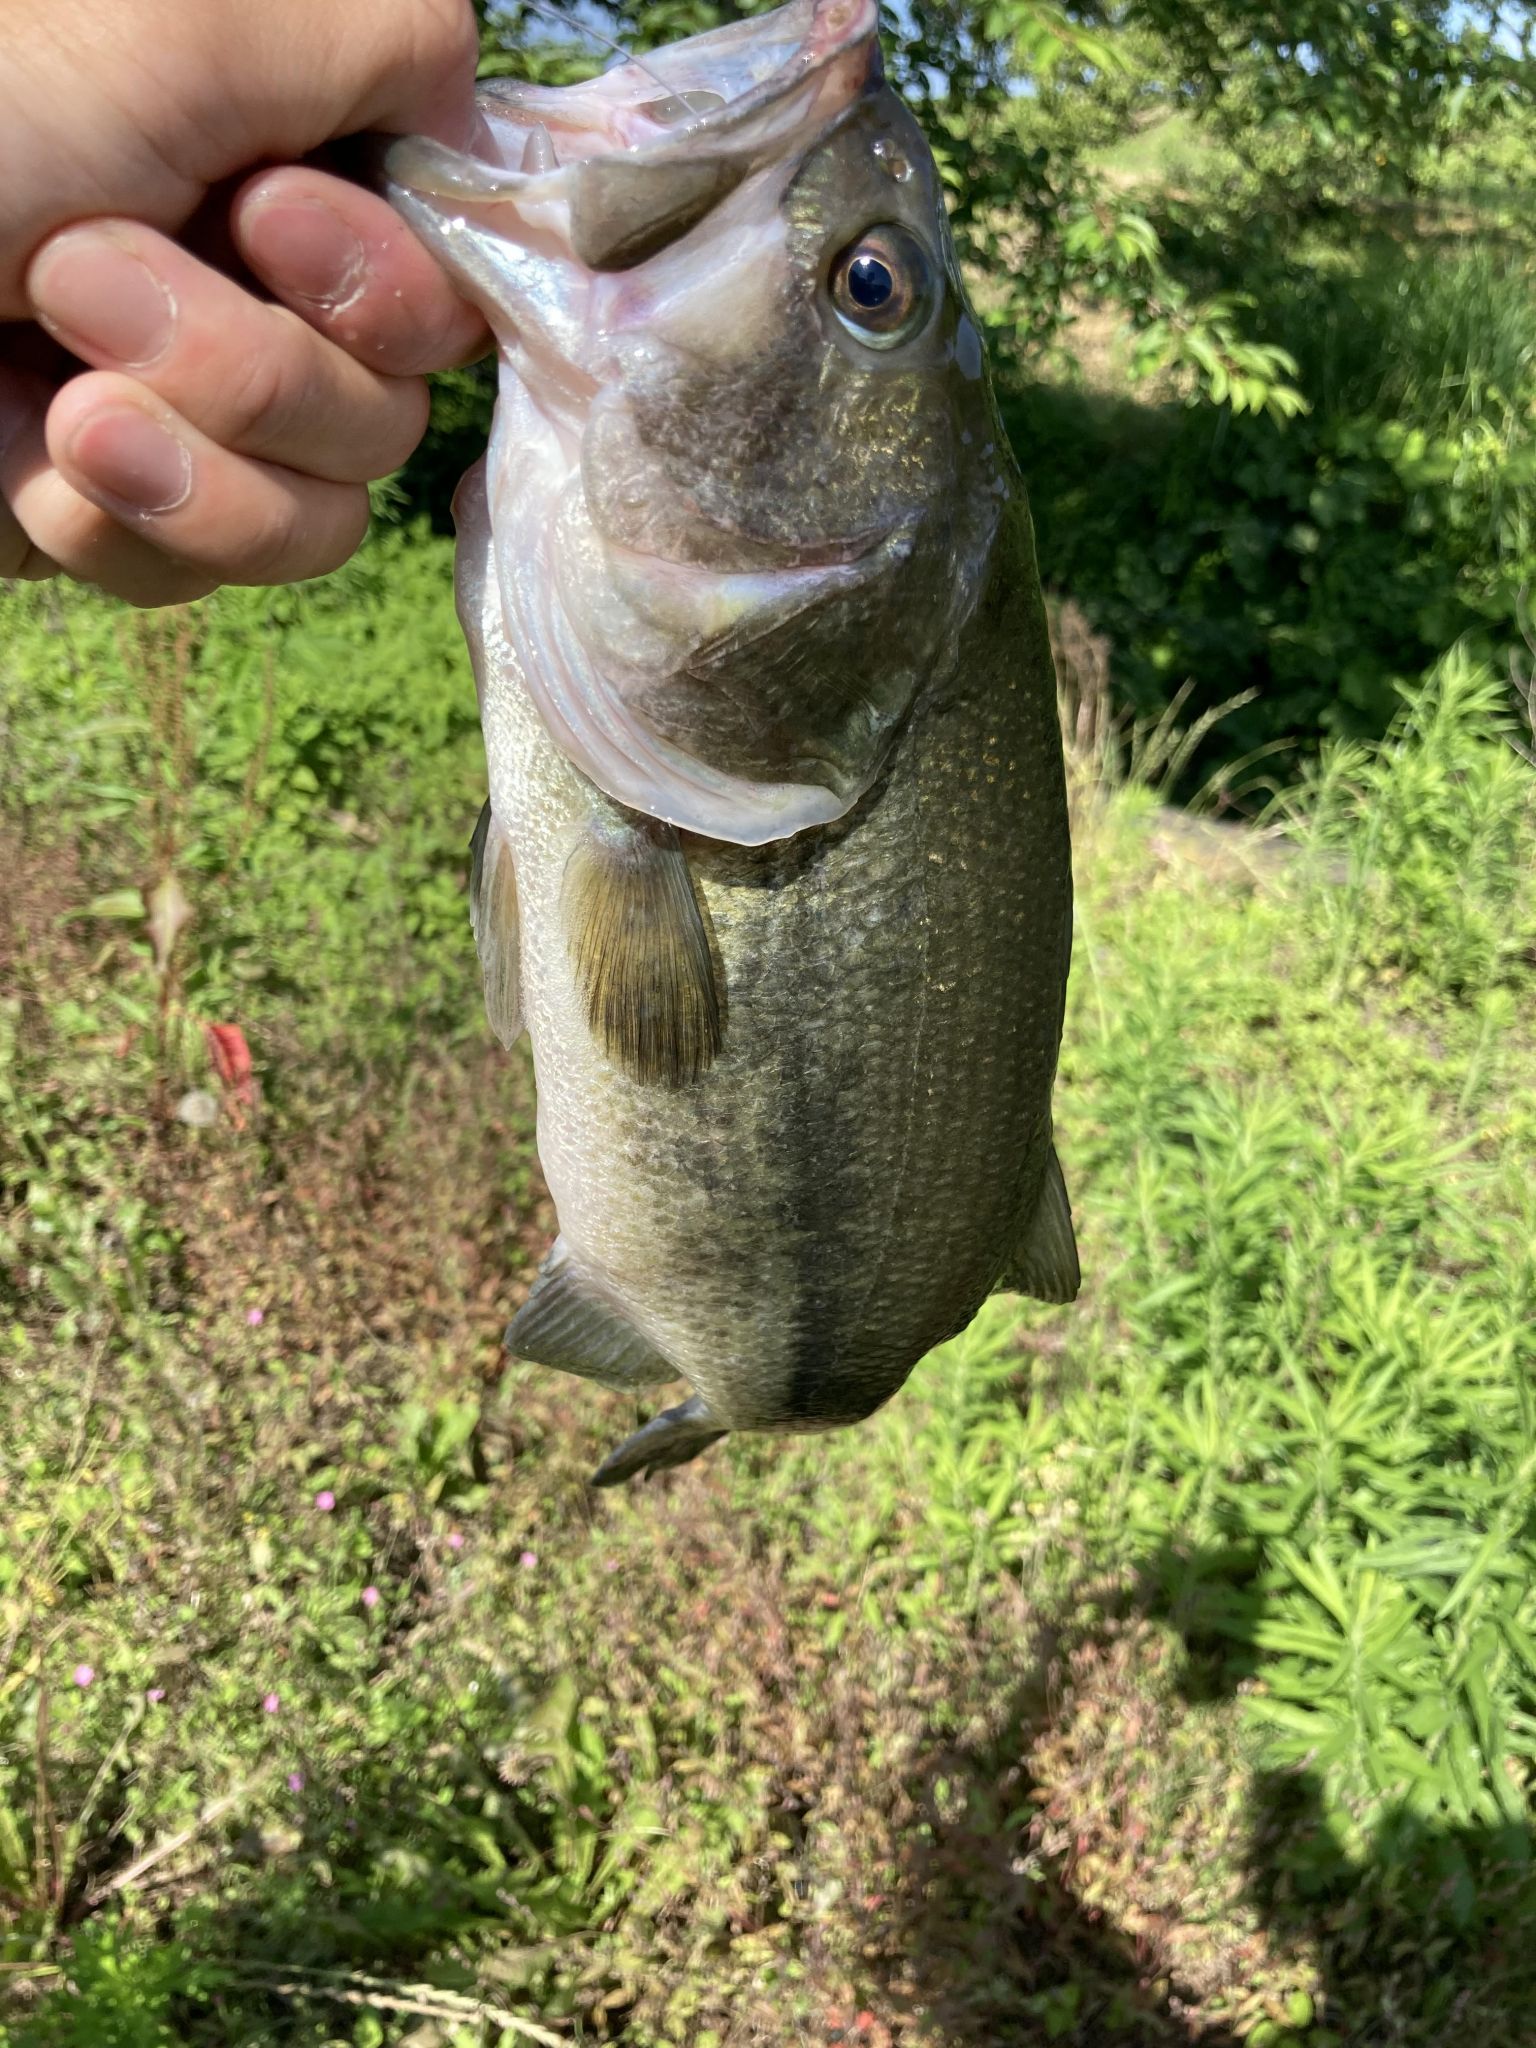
1327	562
1436	827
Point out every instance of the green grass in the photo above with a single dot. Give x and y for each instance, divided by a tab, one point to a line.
1160	1664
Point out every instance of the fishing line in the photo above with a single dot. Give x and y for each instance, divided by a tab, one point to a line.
584	28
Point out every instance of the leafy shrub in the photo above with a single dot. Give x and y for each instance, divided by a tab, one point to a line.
1438	828
1327	562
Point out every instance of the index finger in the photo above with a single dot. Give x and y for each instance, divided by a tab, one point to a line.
345	261
140	107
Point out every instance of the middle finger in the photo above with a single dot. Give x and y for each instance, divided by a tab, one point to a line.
253	377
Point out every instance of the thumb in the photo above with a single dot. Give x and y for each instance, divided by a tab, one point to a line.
399	66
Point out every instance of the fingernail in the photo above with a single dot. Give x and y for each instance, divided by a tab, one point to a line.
301	246
130	457
100	299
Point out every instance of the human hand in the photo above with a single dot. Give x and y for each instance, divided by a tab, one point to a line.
214	436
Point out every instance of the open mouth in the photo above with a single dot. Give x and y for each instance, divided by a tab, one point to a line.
733	95
608	594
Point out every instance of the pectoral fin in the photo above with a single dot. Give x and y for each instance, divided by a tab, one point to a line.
641	952
493	913
1045	1264
568	1322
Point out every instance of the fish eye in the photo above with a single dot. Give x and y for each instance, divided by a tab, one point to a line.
883	286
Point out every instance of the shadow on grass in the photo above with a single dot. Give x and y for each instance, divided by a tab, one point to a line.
1113	1867
369	1903
1108	1865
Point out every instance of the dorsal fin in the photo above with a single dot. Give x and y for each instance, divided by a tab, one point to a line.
636	932
493	913
1045	1264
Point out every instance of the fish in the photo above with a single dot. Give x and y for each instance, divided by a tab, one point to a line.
774	871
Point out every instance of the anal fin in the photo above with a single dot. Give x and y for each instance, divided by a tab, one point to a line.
569	1322
493	913
1045	1263
674	1437
636	932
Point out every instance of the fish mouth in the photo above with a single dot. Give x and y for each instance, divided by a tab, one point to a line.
737	93
837	554
745	554
613	584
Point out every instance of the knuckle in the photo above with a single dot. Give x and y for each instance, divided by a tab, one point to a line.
260	403
268	549
306	533
65	528
349	531
68	535
301	403
451	34
173	585
410	407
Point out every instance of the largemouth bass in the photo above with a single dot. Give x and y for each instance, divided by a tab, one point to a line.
774	869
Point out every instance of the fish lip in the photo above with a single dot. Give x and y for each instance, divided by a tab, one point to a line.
424	169
808	558
849	550
839	553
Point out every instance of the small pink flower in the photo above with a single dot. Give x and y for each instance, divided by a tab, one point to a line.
295	1781
528	1560
255	1317
83	1674
370	1596
455	1540
325	1500
610	1564
271	1703
155	1695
